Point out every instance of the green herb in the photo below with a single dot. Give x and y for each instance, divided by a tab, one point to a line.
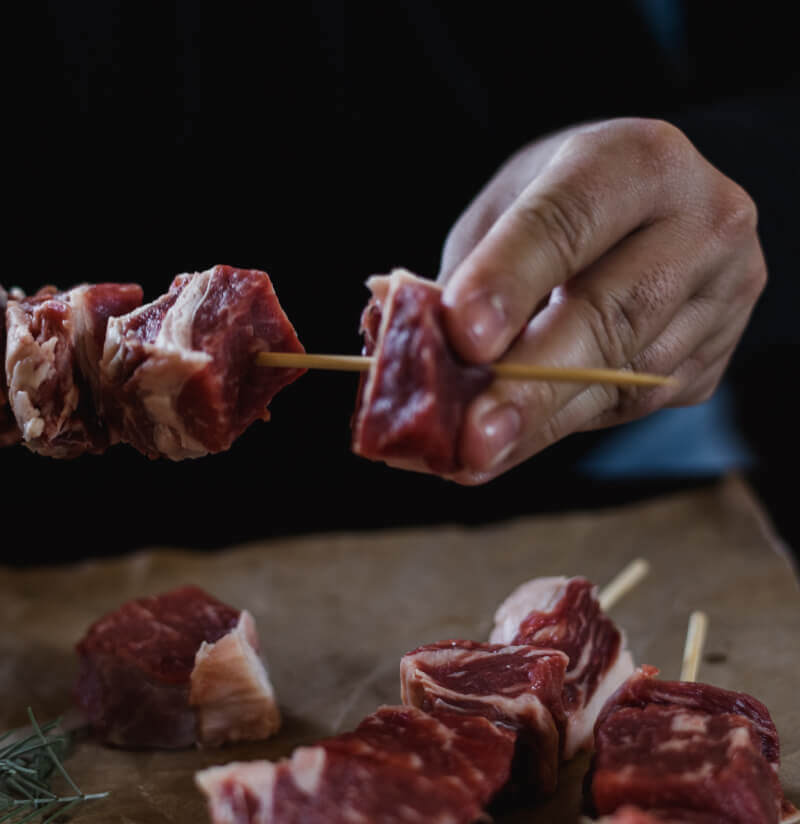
26	766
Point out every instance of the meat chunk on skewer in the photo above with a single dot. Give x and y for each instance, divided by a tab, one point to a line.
687	750
400	766
182	370
53	345
411	404
564	614
9	431
173	670
517	686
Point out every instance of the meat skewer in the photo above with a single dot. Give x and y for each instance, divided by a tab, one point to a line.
683	752
184	375
90	366
413	399
488	721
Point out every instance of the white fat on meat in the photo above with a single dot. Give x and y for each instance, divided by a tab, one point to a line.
239	787
580	723
170	363
415	684
543	595
540	595
230	690
29	363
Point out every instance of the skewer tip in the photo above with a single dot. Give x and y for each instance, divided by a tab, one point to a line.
693	649
620	586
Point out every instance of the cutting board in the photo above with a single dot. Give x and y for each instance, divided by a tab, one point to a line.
336	612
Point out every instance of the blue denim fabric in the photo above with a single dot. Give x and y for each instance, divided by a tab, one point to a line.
687	441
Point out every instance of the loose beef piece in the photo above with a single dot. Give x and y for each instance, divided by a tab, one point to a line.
173	670
411	405
9	431
181	372
564	614
518	687
53	345
400	766
687	749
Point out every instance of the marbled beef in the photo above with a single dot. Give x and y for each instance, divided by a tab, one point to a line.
411	405
53	345
565	614
518	687
684	748
400	766
182	371
173	670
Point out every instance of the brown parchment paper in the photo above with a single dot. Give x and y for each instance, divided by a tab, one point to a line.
336	612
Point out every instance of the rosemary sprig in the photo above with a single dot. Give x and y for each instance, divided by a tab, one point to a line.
26	766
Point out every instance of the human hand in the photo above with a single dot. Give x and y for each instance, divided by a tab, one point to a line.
610	245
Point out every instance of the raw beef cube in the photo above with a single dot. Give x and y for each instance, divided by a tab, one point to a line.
683	747
411	405
52	349
400	766
182	372
175	669
564	614
519	687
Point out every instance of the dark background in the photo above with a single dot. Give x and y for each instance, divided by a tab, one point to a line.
325	141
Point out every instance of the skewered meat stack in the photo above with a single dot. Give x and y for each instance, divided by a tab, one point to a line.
479	720
90	367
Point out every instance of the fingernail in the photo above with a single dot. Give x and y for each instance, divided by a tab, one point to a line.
486	321
500	427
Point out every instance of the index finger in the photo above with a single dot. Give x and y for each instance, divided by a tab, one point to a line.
604	183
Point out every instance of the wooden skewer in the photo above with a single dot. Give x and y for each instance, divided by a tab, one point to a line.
623	583
508	371
695	641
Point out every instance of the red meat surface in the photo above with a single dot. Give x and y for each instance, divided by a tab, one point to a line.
565	614
400	765
182	371
136	665
518	687
411	405
682	748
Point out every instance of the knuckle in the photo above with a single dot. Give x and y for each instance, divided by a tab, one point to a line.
541	398
733	212
635	402
654	145
611	324
565	220
753	284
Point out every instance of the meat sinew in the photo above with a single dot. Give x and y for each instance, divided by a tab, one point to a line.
53	344
517	686
687	750
182	371
411	405
564	614
172	670
400	766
